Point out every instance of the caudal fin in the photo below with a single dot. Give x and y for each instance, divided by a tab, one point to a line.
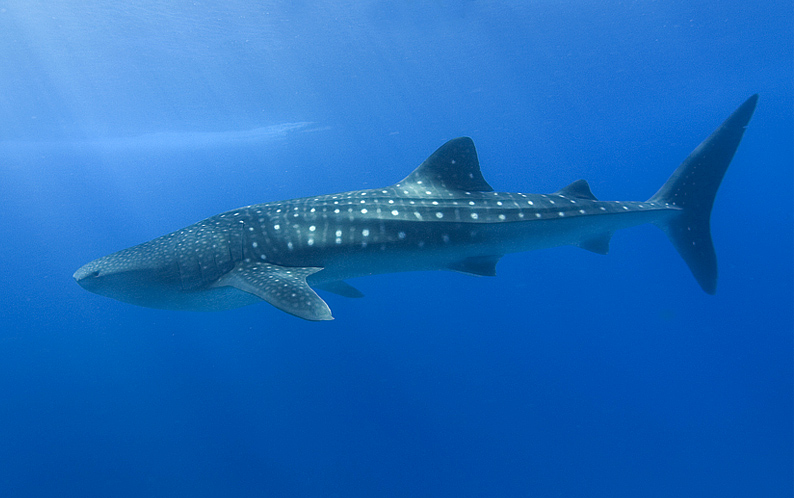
693	187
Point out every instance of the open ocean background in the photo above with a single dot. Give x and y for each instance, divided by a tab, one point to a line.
569	374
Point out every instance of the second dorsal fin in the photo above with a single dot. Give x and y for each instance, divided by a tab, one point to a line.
578	189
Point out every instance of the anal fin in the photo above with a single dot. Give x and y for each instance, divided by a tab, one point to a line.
283	287
598	245
477	265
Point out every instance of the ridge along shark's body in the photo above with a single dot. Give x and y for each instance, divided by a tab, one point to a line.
444	215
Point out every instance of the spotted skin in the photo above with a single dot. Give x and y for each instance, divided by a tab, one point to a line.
444	215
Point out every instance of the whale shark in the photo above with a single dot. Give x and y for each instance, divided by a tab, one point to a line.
442	216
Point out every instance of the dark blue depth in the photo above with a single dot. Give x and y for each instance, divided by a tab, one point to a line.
568	374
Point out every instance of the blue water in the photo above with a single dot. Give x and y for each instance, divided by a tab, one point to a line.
569	374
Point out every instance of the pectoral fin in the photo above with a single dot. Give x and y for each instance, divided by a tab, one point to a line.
283	287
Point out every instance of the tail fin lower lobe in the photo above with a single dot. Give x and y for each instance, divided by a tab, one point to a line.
693	186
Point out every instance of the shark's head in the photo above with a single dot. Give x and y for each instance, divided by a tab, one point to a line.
151	275
132	276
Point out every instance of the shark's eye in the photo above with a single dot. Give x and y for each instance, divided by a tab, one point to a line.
94	274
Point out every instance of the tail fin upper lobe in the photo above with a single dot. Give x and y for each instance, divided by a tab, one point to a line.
693	187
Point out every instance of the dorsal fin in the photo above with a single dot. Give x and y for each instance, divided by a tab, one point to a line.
578	189
453	166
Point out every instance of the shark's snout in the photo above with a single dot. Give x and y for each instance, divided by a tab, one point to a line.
87	276
84	273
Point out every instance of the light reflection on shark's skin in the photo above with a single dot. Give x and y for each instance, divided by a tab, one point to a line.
443	216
